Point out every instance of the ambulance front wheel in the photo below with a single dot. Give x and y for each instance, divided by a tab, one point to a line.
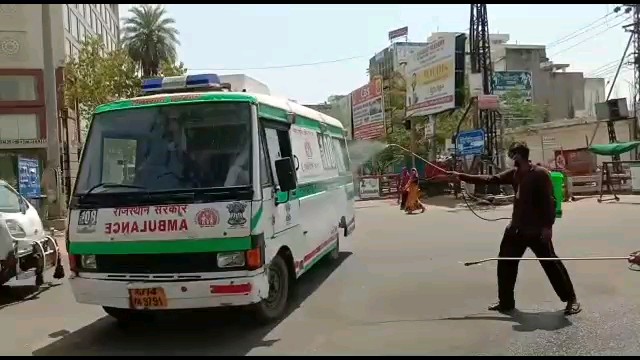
127	316
275	305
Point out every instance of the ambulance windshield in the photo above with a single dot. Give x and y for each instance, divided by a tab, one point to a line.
169	147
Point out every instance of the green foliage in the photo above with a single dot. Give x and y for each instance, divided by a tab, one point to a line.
98	76
170	69
150	38
392	155
518	111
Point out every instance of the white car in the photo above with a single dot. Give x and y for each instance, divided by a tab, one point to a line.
26	250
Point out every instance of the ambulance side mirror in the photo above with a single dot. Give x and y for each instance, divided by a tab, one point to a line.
286	174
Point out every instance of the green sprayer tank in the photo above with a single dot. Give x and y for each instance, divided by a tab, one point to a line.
558	181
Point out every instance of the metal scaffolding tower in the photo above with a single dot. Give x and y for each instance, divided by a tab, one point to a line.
480	56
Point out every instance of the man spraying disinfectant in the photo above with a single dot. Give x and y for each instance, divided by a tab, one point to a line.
534	214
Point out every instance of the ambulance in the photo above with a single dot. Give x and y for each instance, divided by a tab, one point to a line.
193	196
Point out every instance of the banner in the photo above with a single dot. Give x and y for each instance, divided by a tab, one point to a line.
431	79
368	111
513	80
369	188
29	178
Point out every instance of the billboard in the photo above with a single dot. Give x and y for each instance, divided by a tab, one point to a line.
394	34
433	75
403	50
507	81
368	111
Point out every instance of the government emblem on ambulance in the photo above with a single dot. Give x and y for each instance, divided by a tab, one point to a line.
207	218
236	214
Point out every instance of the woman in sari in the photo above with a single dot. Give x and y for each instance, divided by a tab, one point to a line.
413	194
404	180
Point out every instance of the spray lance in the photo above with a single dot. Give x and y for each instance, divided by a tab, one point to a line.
469	263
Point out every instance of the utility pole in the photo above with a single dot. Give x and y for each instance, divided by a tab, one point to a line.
636	72
51	110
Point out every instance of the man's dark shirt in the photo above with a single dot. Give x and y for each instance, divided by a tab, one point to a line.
534	203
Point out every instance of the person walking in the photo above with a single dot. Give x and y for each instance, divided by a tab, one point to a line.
530	227
404	180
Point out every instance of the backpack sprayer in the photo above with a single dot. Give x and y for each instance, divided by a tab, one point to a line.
557	180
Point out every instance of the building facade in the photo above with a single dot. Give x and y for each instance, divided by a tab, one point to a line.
24	125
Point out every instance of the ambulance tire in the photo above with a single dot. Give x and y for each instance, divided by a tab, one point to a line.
274	306
126	317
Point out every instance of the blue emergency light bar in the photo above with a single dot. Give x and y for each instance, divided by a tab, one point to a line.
186	82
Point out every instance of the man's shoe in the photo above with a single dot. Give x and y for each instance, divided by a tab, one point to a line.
501	307
573	307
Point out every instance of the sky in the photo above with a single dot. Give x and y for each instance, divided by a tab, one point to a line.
242	38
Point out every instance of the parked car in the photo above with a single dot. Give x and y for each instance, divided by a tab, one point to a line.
26	250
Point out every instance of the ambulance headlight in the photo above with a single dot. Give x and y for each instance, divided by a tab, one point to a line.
88	262
16	231
231	259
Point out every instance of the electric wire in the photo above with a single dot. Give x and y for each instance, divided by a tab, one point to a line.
591	37
587	28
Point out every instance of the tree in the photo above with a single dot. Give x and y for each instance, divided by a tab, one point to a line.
97	76
518	111
150	38
392	154
170	69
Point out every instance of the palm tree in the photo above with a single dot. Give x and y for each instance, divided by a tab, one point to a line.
150	38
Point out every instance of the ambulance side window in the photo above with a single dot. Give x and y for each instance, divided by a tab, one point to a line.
278	146
265	169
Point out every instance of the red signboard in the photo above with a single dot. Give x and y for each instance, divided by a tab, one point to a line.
367	92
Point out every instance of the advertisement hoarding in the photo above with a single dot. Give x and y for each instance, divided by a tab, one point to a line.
403	50
513	80
431	77
368	111
394	34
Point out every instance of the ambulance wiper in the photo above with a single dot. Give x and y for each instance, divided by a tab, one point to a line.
111	186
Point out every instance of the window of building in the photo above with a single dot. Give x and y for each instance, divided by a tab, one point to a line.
18	126
92	20
74	25
79	35
84	10
65	16
18	88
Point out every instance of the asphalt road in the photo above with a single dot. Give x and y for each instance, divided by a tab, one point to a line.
397	289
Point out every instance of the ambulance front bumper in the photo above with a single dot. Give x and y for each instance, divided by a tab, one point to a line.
237	291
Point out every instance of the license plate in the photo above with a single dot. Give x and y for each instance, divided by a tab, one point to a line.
153	298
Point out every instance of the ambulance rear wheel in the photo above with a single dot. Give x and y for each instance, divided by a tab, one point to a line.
127	316
275	305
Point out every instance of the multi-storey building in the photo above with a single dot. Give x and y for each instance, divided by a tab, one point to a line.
26	33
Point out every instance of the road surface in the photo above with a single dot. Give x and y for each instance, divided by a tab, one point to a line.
397	289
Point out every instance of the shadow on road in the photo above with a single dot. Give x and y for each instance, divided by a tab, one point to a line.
446	201
13	295
216	332
526	321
